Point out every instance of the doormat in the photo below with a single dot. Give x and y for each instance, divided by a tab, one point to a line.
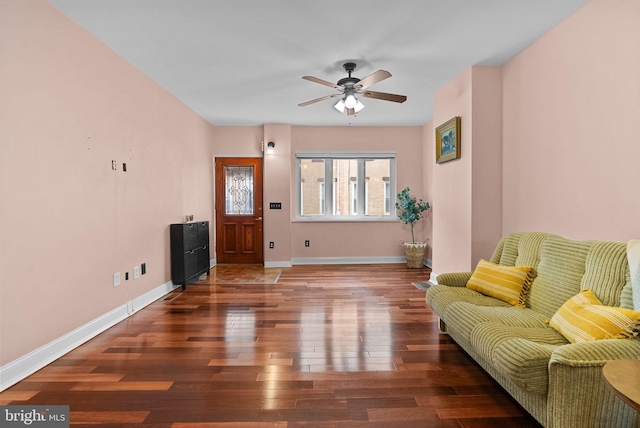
244	274
424	285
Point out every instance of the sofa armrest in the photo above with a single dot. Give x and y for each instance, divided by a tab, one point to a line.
578	394
596	353
455	279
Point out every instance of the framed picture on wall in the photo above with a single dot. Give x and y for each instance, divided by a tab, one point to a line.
448	140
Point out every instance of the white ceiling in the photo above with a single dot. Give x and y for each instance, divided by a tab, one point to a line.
241	62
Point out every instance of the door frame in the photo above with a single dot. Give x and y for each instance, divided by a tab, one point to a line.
253	223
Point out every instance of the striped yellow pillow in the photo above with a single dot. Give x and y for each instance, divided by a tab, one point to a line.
508	283
583	317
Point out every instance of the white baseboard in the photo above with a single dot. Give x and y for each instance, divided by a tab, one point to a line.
28	364
277	264
347	260
339	261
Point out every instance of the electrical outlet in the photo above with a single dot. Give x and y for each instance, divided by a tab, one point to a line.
271	244
136	272
306	243
116	279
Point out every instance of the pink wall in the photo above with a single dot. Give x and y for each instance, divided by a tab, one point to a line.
378	239
277	188
572	128
452	207
69	107
549	116
467	191
328	240
428	162
486	170
238	141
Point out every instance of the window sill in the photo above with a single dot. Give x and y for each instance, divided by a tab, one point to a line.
345	220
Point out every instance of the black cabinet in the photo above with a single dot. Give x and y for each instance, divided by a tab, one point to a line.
189	252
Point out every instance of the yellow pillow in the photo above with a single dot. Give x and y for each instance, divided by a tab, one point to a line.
583	317
508	283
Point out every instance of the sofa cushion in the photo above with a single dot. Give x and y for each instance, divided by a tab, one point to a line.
507	283
626	295
506	252
529	248
463	317
440	296
486	336
583	318
525	363
606	271
521	354
559	274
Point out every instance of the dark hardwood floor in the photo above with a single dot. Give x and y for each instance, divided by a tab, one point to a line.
324	346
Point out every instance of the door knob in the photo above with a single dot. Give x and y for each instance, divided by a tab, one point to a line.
259	218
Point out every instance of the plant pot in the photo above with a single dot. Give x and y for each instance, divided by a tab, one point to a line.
415	254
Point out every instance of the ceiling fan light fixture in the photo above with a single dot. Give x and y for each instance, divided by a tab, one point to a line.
343	105
350	101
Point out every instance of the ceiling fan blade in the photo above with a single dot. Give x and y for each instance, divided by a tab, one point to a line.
384	96
320	81
326	97
373	78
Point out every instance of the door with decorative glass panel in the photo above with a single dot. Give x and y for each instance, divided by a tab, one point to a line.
239	210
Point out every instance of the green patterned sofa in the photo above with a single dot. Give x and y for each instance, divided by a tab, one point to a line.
559	383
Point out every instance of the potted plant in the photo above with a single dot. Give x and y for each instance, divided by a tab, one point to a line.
410	210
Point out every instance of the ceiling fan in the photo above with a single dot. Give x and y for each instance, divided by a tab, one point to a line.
349	87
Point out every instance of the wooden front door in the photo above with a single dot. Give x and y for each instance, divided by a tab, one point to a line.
239	210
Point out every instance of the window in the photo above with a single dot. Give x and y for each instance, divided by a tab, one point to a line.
354	198
239	190
387	196
345	186
321	194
